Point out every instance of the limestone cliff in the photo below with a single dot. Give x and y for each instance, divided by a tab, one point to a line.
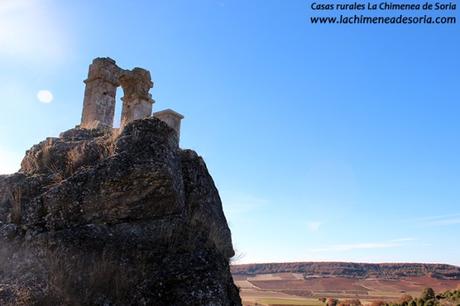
96	218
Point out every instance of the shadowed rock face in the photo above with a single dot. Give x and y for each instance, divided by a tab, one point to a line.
94	218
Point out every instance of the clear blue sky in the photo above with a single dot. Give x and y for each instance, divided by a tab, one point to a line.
326	142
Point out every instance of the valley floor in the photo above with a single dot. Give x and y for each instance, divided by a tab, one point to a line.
293	289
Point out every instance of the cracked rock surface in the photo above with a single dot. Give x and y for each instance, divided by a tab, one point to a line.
97	218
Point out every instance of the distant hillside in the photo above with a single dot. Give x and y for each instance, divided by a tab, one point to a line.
352	270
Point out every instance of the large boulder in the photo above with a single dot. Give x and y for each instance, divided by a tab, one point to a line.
98	217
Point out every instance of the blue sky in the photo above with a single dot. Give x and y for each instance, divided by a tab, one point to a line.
326	142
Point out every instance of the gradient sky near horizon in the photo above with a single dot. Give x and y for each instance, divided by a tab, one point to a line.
326	142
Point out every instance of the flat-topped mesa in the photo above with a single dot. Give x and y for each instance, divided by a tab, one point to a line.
171	118
101	87
137	101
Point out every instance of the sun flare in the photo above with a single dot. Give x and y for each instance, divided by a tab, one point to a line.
45	96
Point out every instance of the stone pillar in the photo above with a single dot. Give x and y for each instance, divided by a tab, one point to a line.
137	101
101	87
171	118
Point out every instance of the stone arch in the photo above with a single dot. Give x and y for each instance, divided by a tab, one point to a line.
104	76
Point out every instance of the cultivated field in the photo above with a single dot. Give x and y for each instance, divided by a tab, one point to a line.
292	289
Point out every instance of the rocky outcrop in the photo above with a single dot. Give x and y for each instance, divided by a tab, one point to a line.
97	218
353	270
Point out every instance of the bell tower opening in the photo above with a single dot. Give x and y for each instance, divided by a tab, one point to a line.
118	108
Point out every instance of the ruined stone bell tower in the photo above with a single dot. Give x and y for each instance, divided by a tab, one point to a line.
104	76
101	87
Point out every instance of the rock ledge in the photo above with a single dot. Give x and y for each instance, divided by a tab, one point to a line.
96	218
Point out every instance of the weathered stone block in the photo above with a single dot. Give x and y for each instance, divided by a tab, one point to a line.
171	118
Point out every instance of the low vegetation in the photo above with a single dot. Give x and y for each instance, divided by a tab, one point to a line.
427	298
352	270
